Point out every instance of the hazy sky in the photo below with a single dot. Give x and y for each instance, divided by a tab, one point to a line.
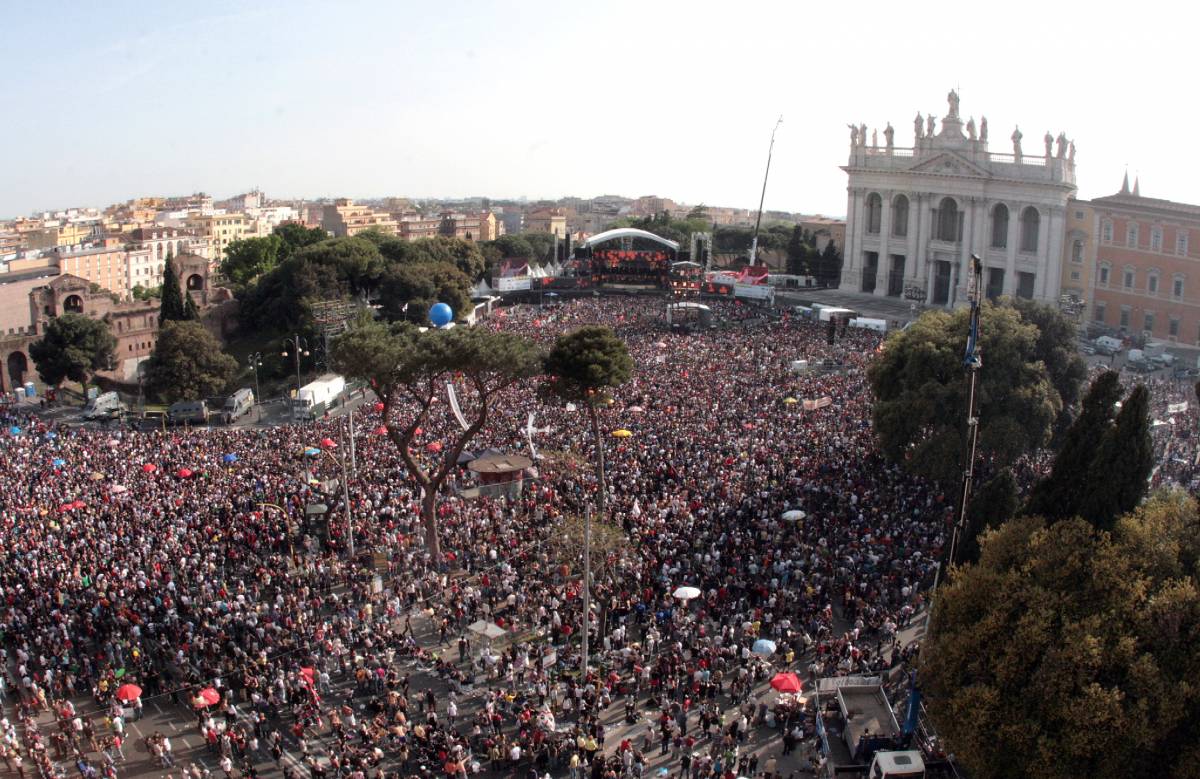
106	101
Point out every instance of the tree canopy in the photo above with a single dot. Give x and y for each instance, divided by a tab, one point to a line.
248	258
921	392
583	366
408	369
1068	652
418	286
1061	493
74	347
187	363
293	236
172	307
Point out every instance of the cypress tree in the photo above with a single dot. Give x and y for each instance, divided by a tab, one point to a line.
190	312
172	308
1061	494
1119	474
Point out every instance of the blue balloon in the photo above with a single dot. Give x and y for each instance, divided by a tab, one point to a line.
440	314
230	458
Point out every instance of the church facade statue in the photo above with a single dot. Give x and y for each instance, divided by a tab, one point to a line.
971	128
853	134
888	133
1049	139
983	128
1016	139
919	127
929	125
862	134
1062	146
875	139
952	99
1071	152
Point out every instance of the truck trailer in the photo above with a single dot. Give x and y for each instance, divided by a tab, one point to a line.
316	397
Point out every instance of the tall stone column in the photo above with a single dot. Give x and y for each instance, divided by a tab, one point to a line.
885	230
1055	243
851	256
1014	235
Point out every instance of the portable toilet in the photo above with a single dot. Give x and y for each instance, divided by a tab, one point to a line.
30	390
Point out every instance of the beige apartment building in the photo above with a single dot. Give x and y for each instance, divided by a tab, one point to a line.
1079	257
60	235
344	218
220	230
547	220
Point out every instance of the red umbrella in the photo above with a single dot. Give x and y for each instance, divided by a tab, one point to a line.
208	697
307	673
418	431
378	406
149	468
786	682
128	692
381	430
184	473
328	443
435	446
77	504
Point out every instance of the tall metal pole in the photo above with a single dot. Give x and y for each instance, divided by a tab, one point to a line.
972	362
346	479
587	585
762	198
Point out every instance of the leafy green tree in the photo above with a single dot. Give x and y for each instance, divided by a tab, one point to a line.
1068	652
190	312
513	246
583	367
991	506
74	347
408	369
249	258
172	308
1120	472
146	293
920	391
294	236
1062	492
187	363
1057	335
355	261
732	239
462	254
799	254
829	267
408	291
541	246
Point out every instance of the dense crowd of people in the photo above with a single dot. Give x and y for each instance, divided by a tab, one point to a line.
184	565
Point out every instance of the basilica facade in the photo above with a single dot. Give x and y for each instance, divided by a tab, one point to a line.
916	214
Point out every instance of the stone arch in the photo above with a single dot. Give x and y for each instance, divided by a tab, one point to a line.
999	226
17	366
948	223
73	304
874	212
1031	222
195	282
900	216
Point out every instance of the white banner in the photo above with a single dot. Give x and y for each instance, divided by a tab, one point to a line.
454	406
754	292
1177	408
512	283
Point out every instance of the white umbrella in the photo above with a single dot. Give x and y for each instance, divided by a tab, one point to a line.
763	647
794	515
686	593
486	629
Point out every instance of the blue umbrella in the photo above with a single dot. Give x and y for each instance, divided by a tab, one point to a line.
230	458
52	435
763	647
58	462
14	430
312	451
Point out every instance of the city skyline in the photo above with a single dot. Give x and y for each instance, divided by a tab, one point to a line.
545	101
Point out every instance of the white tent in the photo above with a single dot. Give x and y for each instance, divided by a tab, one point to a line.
486	629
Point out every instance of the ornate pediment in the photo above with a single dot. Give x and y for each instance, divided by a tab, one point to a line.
950	164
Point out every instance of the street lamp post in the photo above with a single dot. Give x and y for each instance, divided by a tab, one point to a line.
297	344
255	361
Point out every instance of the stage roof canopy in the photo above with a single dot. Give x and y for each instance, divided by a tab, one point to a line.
629	232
